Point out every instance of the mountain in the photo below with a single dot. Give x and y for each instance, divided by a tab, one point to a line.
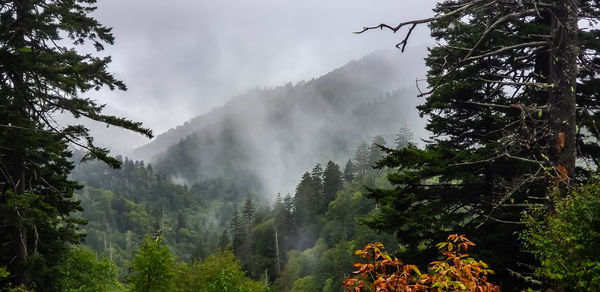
267	137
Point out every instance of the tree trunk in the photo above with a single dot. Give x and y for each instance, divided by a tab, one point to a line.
562	99
18	166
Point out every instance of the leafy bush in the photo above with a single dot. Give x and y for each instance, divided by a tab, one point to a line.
219	272
152	268
567	243
81	271
458	272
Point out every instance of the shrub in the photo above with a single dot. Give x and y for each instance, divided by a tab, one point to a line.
457	272
567	242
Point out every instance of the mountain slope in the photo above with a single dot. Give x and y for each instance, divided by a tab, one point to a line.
269	136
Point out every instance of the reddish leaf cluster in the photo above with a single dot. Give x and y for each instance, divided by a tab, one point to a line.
458	272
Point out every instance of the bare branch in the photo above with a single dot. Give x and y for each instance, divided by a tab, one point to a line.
504	49
532	84
414	23
405	40
491	159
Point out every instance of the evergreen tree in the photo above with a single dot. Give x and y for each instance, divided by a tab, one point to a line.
361	160
304	201
286	224
223	240
306	206
332	183
237	231
349	171
375	152
512	92
245	253
248	214
283	215
38	79
404	136
317	177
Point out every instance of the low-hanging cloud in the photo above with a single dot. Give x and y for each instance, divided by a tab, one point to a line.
182	58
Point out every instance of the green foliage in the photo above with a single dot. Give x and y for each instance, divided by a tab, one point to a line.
122	206
152	268
290	272
80	270
307	283
503	118
567	243
41	77
328	261
219	272
3	273
35	208
332	183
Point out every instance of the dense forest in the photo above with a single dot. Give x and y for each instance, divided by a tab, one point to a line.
306	237
502	195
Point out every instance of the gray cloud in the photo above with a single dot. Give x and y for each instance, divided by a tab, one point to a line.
181	58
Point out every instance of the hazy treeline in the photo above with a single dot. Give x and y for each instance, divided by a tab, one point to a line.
300	239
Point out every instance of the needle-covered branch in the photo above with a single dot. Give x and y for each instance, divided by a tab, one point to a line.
513	109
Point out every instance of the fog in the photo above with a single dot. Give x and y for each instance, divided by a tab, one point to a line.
182	58
269	137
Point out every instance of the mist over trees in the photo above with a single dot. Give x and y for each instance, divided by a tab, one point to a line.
282	188
250	137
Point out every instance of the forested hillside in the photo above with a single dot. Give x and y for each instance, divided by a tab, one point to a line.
314	186
303	240
266	137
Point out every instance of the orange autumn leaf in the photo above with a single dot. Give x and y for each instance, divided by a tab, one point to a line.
457	272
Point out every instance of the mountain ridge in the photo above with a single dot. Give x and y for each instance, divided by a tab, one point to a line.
270	134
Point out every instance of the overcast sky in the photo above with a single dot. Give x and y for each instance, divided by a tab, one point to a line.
181	58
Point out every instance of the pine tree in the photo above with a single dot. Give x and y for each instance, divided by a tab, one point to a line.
303	199
404	136
39	78
306	211
224	240
248	214
512	93
375	152
317	177
237	232
361	160
349	171
332	183
246	247
287	224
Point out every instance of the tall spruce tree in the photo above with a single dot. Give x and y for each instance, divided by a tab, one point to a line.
332	183
361	160
39	77
375	150
512	105
404	136
349	171
237	232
